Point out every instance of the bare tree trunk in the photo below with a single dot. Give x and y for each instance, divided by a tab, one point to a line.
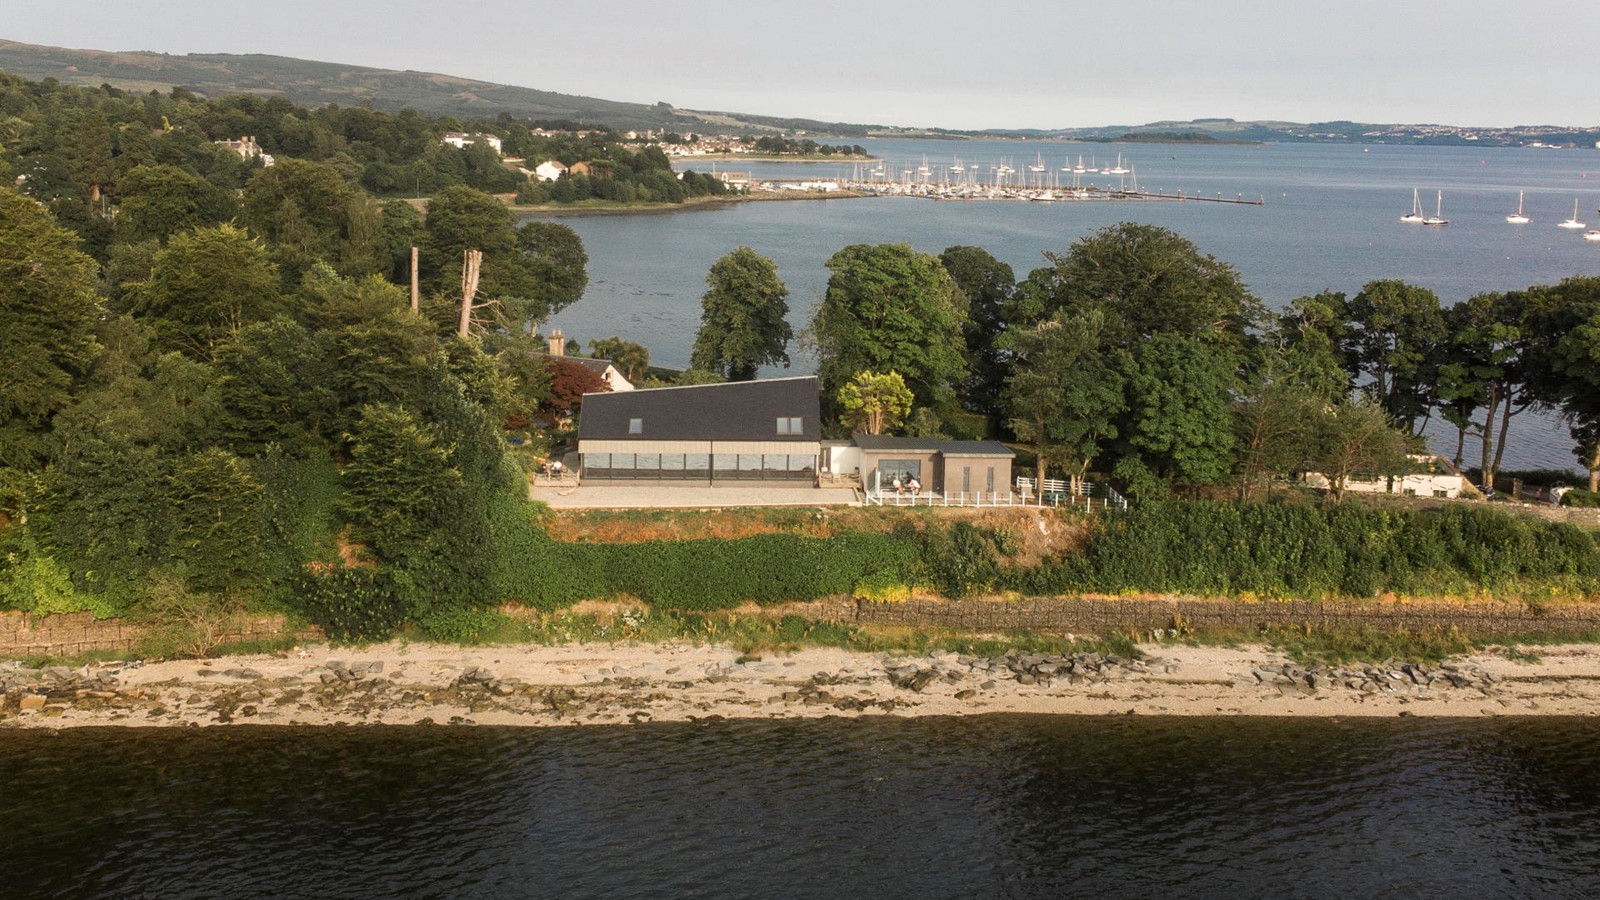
471	261
1485	475
1500	442
416	293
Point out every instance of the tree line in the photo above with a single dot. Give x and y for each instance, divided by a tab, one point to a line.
1135	354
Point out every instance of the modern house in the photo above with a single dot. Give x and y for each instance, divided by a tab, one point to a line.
939	466
745	431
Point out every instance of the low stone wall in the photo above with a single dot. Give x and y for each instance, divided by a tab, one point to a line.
74	634
1099	616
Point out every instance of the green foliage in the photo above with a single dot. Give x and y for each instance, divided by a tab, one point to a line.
159	201
1581	498
1277	550
399	468
354	605
558	269
961	560
631	359
874	403
890	308
882	587
32	581
298	503
463	626
204	286
217	521
743	317
988	285
1394	327
1179	398
47	311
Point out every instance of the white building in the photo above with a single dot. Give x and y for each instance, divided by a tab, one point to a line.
461	140
248	149
549	170
1435	477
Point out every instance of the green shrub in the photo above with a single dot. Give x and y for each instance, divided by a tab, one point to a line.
353	605
463	626
1581	498
882	587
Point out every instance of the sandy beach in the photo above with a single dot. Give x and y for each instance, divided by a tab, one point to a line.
604	684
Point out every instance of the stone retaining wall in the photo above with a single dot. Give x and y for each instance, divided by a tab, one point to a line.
1099	616
74	634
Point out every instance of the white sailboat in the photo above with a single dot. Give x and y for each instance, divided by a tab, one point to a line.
1592	235
1572	222
1438	216
1117	169
1414	217
1518	218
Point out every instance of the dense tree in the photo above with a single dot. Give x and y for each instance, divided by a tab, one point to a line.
160	201
1572	382
1394	330
558	269
1064	396
461	219
217	521
398	472
1149	280
874	403
890	308
204	286
988	284
743	317
307	212
275	387
1178	422
48	309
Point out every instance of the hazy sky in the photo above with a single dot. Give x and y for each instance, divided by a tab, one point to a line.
1027	64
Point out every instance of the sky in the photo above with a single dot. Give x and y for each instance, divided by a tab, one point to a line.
931	63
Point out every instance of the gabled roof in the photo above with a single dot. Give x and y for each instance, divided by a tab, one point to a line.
736	411
597	366
886	443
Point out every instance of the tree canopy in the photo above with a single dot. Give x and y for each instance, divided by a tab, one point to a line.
743	317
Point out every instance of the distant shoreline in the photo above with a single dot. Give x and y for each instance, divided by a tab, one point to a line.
751	157
556	210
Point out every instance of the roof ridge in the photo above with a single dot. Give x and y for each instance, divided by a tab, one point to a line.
679	387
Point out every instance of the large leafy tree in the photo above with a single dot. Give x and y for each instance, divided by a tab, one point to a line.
888	307
743	317
1150	280
48	311
1295	375
1178	422
1063	396
569	381
1355	438
1393	334
558	269
988	284
631	359
160	201
461	219
308	212
1572	383
204	286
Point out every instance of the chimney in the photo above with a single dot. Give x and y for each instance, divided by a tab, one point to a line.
558	343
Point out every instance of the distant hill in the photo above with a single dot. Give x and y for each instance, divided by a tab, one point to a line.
313	83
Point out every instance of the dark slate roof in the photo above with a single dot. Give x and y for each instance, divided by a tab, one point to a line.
886	443
597	366
736	411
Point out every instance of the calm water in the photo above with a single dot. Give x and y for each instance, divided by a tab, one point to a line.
1008	806
1330	223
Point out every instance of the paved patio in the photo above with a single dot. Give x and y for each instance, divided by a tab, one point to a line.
649	496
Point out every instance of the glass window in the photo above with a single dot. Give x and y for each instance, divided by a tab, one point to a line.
636	426
597	460
672	462
791	425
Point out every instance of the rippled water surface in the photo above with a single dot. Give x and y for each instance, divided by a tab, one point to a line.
978	807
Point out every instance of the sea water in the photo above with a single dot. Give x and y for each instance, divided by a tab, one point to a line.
1330	222
986	806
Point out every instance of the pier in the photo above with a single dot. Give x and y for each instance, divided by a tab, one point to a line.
955	191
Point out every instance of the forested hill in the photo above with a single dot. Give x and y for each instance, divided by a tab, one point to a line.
311	83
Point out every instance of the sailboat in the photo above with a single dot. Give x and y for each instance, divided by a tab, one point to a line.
1517	218
1572	222
1117	169
1592	235
1414	217
1438	216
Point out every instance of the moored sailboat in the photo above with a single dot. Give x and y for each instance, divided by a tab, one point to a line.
1438	216
1414	217
1518	218
1572	222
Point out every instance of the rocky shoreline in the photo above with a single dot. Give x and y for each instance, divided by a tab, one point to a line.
623	683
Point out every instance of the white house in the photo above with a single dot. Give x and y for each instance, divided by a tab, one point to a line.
549	170
461	140
1435	477
605	368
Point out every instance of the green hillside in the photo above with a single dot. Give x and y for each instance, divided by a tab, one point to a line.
312	83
